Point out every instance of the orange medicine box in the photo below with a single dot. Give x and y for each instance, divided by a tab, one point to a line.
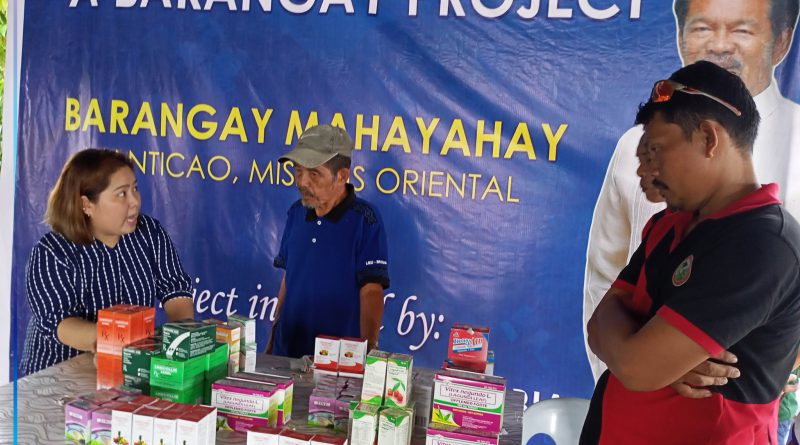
123	324
106	339
227	334
109	371
133	324
148	321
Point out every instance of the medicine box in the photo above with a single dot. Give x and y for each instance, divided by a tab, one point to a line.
248	330
289	437
398	380
122	422
469	346
438	434
143	419
136	359
177	374
394	427
352	355
78	420
244	398
109	370
165	425
284	393
375	377
263	436
101	425
187	339
326	353
364	424
468	400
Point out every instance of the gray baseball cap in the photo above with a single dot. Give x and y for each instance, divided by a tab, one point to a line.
318	145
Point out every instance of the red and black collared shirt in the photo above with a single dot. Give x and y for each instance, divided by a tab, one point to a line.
732	283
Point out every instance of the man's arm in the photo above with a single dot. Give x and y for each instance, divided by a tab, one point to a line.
643	357
278	306
371	313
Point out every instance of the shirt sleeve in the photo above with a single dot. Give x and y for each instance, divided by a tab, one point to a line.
629	276
372	254
50	290
171	280
731	289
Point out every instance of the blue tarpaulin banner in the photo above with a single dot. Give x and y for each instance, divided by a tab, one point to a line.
482	129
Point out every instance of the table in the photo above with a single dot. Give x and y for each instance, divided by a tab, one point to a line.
41	395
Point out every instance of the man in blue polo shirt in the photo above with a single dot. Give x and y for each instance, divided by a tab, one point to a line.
333	251
719	271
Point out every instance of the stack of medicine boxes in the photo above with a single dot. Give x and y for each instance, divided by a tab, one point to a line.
136	358
190	354
232	335
338	378
248	347
467	404
385	414
117	327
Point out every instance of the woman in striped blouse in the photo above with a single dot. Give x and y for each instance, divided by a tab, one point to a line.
101	252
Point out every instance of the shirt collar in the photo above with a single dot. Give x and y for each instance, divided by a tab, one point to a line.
337	212
767	101
766	195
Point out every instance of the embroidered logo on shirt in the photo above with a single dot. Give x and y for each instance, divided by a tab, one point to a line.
683	272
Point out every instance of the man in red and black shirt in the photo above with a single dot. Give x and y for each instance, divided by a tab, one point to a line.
719	271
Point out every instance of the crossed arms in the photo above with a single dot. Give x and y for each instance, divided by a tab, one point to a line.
646	355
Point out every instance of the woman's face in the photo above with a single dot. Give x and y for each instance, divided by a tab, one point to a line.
116	211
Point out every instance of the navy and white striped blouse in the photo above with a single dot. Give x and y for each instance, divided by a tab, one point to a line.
64	279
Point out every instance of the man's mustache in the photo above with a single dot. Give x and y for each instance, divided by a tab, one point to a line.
305	191
730	63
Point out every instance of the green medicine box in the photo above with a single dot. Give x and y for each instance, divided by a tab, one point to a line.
190	395
136	357
216	369
187	339
218	358
177	374
211	377
140	383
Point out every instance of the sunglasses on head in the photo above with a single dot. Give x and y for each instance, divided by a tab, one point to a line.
664	89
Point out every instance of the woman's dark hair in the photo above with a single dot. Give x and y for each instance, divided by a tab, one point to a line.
87	173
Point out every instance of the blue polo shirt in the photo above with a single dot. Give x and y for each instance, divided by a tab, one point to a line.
327	260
